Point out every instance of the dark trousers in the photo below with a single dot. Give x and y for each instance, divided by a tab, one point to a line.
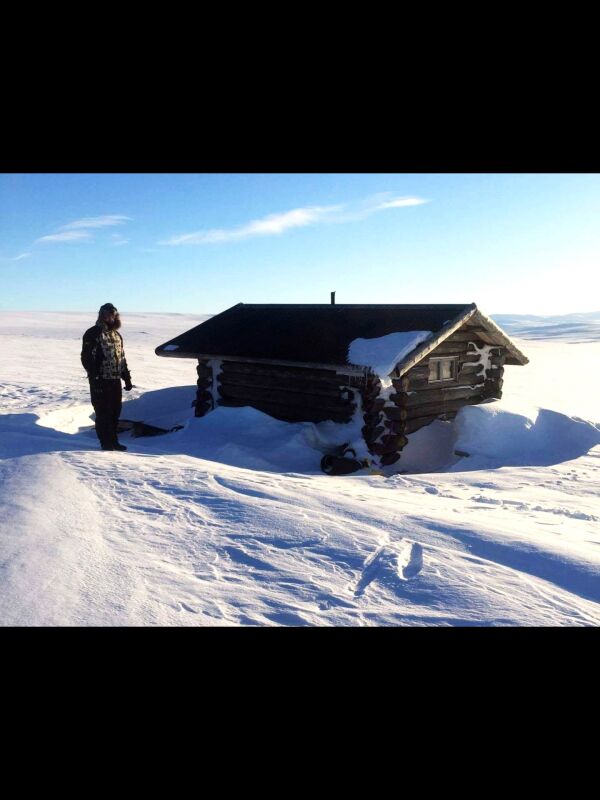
106	397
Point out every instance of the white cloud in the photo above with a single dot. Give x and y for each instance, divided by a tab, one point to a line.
401	202
267	226
78	230
68	236
297	218
20	257
118	240
96	222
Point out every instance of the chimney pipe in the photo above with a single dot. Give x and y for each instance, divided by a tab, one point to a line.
333	298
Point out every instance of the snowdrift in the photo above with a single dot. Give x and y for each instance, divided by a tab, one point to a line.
248	438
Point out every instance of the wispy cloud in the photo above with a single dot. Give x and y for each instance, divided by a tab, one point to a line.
67	236
96	222
80	229
267	226
274	224
118	240
401	202
20	257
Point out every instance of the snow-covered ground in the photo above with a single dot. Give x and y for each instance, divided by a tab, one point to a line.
229	521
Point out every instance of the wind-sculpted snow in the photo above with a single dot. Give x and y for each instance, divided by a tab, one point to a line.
229	521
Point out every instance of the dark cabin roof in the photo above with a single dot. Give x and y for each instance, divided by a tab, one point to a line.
315	334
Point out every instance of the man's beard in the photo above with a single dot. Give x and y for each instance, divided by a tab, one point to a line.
115	324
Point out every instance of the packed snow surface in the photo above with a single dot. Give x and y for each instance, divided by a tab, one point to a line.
229	520
382	353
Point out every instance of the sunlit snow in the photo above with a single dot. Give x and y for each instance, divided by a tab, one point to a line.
230	521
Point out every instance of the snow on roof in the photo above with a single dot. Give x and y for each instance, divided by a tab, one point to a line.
382	353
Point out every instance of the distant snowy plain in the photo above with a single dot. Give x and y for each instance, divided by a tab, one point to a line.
229	521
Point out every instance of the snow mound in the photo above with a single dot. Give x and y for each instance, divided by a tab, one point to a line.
384	352
248	438
501	438
242	437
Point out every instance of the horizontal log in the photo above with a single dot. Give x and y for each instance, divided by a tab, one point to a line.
442	395
448	348
294	400
286	413
434	409
282	373
470	358
468	379
289	385
421	368
204	371
498	361
204	396
465	336
466	369
422	383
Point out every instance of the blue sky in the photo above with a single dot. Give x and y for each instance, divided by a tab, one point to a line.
199	243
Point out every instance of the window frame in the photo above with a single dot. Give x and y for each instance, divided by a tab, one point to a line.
453	360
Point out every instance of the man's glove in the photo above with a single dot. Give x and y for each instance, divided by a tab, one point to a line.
128	386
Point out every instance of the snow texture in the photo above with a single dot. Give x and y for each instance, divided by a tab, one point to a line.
383	353
230	522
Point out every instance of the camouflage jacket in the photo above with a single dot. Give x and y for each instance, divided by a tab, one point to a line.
103	355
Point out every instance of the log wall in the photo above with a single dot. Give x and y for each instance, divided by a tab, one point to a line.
475	381
293	394
391	415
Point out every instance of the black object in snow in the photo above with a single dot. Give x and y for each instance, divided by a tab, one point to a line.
143	429
337	465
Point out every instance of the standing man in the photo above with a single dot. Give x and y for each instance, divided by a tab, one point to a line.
103	358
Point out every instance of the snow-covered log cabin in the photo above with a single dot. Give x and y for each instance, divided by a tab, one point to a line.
399	366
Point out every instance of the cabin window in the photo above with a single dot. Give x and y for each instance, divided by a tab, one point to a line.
442	369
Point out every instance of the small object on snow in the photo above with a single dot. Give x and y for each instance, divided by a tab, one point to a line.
336	465
142	428
462	453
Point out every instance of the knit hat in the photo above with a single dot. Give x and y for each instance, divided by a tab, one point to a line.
107	307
